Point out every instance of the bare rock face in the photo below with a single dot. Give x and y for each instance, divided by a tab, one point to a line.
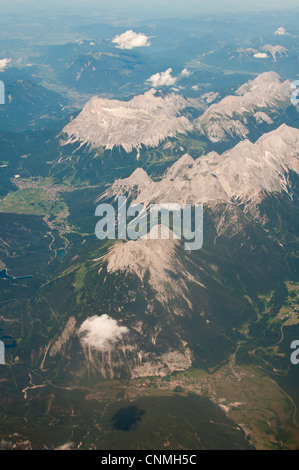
161	270
148	119
153	260
229	117
158	274
241	174
275	51
145	120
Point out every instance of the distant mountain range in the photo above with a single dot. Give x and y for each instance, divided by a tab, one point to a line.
148	119
30	106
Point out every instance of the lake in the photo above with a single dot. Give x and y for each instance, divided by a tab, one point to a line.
5	276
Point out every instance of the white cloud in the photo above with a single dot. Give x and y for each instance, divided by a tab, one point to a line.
4	63
185	73
166	79
261	55
281	32
162	79
101	332
130	39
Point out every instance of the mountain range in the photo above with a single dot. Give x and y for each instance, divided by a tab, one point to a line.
98	329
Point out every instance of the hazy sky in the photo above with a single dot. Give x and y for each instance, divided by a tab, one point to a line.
164	8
